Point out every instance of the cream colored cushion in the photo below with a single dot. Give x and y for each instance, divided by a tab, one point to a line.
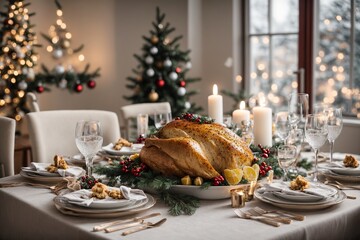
53	132
7	146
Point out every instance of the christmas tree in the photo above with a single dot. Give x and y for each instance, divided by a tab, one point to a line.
17	59
160	74
63	75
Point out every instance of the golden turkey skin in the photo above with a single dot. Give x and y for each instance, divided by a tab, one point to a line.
199	150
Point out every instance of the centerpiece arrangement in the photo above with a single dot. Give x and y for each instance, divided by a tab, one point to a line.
191	150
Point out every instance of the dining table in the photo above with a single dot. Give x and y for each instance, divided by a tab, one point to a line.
29	212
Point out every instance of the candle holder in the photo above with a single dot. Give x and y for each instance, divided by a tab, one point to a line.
142	124
238	198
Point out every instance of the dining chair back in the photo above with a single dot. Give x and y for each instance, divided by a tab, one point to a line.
32	102
131	111
7	146
53	132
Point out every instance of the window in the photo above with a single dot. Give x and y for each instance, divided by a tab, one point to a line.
337	69
272	41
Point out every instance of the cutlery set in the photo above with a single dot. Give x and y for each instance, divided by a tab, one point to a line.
273	217
135	224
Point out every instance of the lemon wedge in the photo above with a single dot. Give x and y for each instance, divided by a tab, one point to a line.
249	173
186	180
233	176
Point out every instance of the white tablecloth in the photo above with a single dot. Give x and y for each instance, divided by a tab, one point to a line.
29	213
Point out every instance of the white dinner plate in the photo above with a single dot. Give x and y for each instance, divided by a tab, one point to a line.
39	178
79	196
334	200
33	171
135	148
341	177
210	193
103	214
346	171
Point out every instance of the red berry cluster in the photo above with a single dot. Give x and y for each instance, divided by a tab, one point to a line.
265	151
218	180
140	139
264	168
87	182
135	168
195	118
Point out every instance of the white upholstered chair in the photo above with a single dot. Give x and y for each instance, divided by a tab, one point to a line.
131	111
7	146
32	102
53	132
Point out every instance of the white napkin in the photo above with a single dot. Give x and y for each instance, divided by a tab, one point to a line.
284	188
83	197
72	171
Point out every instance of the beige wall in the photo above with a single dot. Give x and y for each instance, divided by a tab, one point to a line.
112	32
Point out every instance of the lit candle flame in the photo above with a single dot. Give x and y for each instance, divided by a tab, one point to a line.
242	105
215	89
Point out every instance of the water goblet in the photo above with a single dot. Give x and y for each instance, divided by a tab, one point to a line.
161	119
296	138
286	157
88	140
298	108
334	125
316	133
282	125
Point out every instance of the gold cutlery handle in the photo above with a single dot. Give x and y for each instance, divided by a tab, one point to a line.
282	220
294	216
135	230
267	221
117	228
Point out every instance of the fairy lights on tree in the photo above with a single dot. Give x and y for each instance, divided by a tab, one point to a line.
17	59
65	74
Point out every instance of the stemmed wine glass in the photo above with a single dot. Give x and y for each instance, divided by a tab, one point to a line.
282	125
316	133
286	158
161	119
88	140
298	108
296	138
334	124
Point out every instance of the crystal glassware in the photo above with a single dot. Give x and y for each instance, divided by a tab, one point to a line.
334	125
286	157
161	119
316	133
89	141
282	125
142	125
296	138
298	108
246	132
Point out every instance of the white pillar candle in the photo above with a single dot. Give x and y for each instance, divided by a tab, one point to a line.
241	114
262	126
215	106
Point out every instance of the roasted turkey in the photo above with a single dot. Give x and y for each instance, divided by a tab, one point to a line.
188	148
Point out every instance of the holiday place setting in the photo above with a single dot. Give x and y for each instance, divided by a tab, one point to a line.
254	173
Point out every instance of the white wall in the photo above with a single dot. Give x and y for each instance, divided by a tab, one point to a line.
112	32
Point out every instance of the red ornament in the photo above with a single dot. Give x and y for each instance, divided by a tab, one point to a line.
91	84
160	83
78	87
182	83
40	89
178	70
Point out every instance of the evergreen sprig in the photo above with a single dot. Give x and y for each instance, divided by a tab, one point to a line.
179	203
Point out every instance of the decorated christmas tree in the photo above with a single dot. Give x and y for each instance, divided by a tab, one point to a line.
161	73
64	74
17	59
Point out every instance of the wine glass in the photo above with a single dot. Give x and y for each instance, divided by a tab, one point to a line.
88	140
286	158
161	119
246	132
282	125
316	134
334	124
296	138
298	108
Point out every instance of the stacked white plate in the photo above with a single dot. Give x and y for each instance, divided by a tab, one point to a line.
135	148
317	196
40	174
77	204
336	170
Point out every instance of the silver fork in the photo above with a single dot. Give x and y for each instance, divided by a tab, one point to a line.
292	215
246	215
277	218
